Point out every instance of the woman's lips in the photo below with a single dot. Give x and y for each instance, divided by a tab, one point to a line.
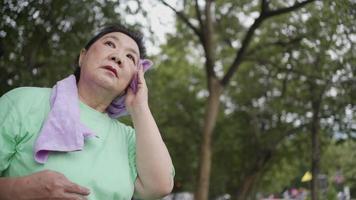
110	68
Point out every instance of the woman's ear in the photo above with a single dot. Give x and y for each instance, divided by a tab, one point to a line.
81	57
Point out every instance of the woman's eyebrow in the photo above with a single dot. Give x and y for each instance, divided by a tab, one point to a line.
118	40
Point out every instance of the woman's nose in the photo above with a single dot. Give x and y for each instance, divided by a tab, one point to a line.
116	58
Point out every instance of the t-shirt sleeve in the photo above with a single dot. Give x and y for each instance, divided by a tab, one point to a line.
8	132
131	141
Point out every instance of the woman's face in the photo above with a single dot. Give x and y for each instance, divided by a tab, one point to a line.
110	62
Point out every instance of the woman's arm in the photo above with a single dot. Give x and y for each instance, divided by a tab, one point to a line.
154	164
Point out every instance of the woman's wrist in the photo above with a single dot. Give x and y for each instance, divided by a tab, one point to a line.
139	109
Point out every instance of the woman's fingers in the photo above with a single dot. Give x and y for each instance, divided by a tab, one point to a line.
49	184
74	196
141	78
77	189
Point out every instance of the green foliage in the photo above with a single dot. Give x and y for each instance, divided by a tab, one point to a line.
40	40
338	158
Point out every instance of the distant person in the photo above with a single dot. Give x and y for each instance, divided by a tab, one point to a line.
66	143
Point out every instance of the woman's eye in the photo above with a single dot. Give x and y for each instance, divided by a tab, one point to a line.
110	44
131	58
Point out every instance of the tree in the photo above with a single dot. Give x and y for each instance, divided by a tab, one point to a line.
204	26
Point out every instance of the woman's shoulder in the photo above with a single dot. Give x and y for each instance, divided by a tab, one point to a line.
122	125
128	130
27	93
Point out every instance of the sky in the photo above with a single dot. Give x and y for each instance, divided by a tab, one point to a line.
159	17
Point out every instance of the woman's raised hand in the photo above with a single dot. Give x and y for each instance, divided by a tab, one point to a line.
136	102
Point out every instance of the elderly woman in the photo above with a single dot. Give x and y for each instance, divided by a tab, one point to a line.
65	143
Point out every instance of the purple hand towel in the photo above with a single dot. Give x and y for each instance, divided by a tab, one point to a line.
117	107
62	130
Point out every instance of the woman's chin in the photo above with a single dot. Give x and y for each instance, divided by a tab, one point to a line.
111	83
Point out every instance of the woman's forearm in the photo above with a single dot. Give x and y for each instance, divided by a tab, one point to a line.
154	163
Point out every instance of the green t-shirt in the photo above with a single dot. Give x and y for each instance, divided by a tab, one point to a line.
106	165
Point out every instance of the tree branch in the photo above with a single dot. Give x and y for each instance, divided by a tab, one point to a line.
287	9
264	14
280	43
290	133
199	15
238	59
264	6
184	18
208	40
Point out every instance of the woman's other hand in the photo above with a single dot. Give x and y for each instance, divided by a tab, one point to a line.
43	185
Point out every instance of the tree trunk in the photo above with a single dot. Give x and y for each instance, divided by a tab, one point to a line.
315	150
254	172
246	187
210	118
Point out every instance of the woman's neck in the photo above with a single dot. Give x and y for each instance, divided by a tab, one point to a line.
97	98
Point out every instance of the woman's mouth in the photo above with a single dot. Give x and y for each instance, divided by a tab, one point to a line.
110	68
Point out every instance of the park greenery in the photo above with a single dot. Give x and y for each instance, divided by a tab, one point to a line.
249	95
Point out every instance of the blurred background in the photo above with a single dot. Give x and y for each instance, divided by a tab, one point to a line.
255	99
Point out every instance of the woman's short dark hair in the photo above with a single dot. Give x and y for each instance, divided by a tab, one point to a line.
135	35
